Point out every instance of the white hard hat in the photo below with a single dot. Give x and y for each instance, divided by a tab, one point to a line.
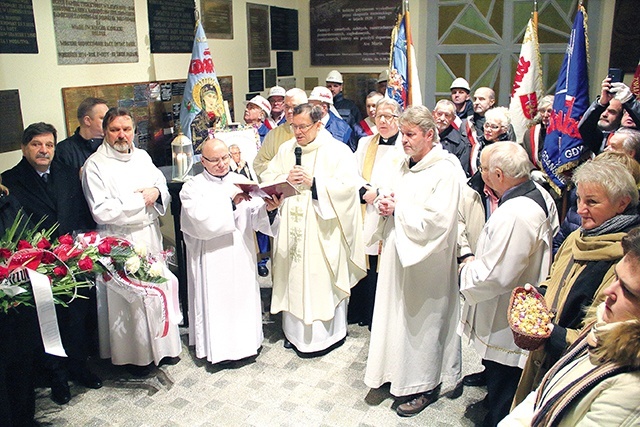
460	83
276	91
383	77
334	77
260	102
322	94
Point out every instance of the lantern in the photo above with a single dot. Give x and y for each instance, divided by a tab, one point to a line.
182	158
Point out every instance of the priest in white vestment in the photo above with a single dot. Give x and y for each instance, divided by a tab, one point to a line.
126	194
414	345
219	222
319	252
370	154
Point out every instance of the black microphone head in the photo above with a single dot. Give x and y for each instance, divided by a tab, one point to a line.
298	152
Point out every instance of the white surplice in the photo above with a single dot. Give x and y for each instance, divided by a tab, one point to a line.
414	344
319	252
225	313
110	180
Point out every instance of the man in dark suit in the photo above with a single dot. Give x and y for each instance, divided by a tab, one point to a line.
53	192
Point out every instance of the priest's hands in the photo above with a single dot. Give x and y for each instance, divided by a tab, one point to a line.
240	197
272	203
370	195
299	176
386	204
150	195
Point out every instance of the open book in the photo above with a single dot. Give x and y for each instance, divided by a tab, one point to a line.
282	189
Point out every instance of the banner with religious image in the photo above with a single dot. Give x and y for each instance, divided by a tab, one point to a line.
403	84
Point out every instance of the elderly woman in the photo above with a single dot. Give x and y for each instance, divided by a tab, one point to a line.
496	128
585	263
597	380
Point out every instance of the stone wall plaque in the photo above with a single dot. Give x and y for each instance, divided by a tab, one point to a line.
171	25
258	35
217	18
284	28
11	121
17	27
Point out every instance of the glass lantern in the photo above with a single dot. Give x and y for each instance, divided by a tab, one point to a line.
182	158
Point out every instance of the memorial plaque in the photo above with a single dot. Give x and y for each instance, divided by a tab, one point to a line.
10	120
270	77
344	32
89	32
284	28
17	27
256	80
171	25
284	63
258	35
217	18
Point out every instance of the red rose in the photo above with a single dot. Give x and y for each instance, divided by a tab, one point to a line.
48	257
4	272
65	239
60	271
23	244
5	253
44	244
104	247
62	251
85	264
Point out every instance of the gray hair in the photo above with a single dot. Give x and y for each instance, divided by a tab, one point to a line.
631	142
374	93
446	104
498	114
614	178
510	158
397	110
315	112
421	117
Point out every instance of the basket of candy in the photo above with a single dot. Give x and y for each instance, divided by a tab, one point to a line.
528	318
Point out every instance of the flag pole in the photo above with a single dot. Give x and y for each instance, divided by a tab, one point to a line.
409	49
535	14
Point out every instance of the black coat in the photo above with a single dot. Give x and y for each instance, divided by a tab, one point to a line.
61	200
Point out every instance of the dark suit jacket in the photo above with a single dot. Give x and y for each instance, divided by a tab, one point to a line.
62	200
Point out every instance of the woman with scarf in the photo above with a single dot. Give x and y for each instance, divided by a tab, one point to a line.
585	263
596	382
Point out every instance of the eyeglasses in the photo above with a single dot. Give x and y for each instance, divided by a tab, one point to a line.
302	128
491	126
216	161
387	117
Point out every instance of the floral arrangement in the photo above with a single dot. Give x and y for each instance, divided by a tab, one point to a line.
67	262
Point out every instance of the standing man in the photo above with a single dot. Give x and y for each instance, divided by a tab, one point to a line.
514	249
367	126
127	194
381	83
338	128
460	91
483	99
219	221
51	192
414	345
74	150
346	107
276	99
282	133
452	139
370	155
320	256
257	109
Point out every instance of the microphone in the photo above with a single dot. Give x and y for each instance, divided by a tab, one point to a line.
298	153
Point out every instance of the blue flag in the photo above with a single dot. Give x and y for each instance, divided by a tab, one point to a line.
202	105
403	85
563	144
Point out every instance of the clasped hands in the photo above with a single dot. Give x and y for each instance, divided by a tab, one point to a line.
386	204
300	176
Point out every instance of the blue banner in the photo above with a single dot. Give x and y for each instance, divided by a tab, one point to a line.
563	144
398	83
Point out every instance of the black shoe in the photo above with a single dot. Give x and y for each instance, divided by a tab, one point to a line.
478	379
139	371
287	343
87	378
263	271
60	392
418	403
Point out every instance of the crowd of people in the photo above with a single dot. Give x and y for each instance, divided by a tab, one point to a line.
415	224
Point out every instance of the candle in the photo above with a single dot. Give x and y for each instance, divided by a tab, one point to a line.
181	165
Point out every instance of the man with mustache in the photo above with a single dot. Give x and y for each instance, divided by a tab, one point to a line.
127	194
51	192
452	136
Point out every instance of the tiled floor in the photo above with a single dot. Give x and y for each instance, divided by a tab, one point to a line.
278	388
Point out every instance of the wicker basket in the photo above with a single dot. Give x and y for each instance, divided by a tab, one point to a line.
524	340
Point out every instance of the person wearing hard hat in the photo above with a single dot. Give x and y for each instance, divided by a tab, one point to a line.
336	126
460	91
276	99
346	107
255	114
382	82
